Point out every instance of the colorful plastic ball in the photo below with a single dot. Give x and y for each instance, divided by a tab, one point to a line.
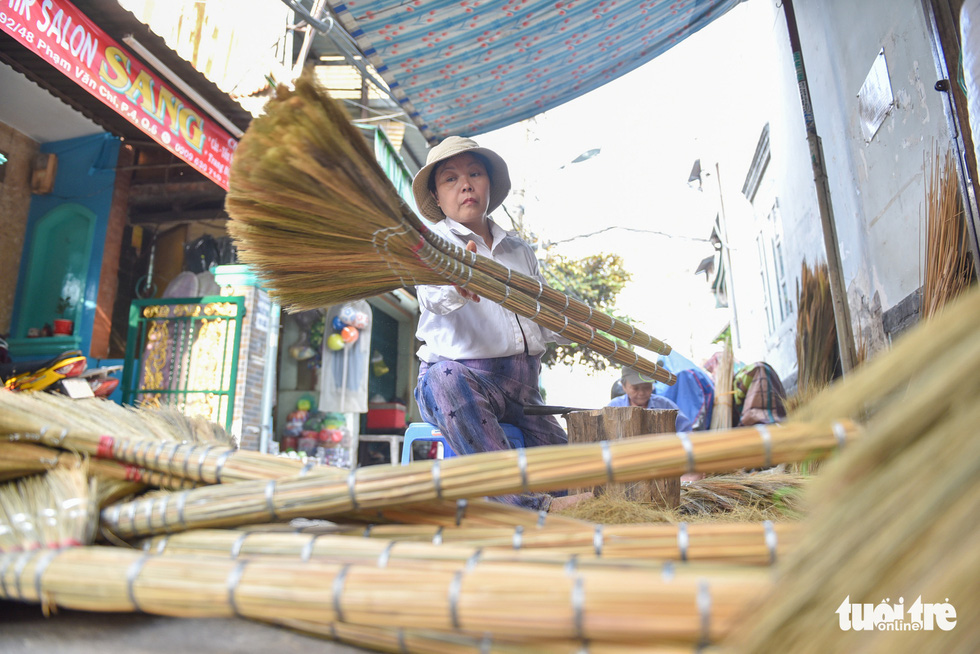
335	341
361	320
347	314
337	324
349	334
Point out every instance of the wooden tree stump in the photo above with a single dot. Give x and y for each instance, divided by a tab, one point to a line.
613	423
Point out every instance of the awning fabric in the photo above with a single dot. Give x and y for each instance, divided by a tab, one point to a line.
470	66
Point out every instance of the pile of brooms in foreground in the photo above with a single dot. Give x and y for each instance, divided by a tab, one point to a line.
414	560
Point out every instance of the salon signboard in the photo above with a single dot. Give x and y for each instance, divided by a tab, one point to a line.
64	37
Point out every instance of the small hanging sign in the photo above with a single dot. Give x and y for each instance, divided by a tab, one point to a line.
875	98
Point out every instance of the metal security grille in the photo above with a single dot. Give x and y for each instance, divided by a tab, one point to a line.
183	353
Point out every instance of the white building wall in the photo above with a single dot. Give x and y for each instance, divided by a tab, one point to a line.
877	188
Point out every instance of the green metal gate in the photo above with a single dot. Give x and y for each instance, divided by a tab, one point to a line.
183	353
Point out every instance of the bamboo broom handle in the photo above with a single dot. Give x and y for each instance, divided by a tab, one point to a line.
755	543
468	512
747	543
199	462
491	473
458	273
562	303
693	605
109	469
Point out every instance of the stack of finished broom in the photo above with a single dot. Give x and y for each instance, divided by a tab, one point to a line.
414	559
215	531
317	218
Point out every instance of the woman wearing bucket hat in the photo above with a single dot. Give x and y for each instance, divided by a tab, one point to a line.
479	363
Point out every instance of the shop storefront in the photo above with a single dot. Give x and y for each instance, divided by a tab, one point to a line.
115	164
115	158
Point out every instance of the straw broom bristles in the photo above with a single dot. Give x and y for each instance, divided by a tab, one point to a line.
23	412
690	604
868	389
817	354
492	473
903	525
52	509
766	494
771	493
949	266
896	516
310	205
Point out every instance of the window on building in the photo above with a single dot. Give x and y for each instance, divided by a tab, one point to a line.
785	304
775	289
766	284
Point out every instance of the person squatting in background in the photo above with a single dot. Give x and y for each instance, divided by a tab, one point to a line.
479	363
639	392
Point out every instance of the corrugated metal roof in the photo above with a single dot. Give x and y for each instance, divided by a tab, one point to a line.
471	66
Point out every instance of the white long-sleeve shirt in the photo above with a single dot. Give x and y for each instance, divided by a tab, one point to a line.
452	327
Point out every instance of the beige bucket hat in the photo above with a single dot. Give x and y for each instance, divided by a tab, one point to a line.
633	377
450	147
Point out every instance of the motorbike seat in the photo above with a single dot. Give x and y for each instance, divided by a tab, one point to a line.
13	368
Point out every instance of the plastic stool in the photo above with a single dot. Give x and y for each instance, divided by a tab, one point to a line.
423	431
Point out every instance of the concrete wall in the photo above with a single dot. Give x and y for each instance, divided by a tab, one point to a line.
877	187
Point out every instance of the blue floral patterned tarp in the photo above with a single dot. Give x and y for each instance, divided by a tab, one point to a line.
471	66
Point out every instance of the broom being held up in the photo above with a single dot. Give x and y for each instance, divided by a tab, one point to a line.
316	217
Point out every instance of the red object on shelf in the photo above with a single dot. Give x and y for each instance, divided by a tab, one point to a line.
62	326
386	415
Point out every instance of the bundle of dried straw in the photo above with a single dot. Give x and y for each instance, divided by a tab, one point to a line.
724	376
310	207
817	353
949	266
